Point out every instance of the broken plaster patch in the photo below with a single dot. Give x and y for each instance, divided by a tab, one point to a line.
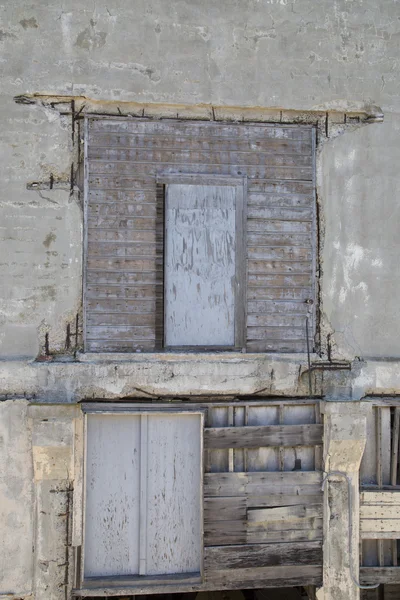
90	39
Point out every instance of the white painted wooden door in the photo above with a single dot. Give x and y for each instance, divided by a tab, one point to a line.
200	247
143	494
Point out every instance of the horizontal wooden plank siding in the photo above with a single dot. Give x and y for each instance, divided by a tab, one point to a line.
125	224
258	436
373	575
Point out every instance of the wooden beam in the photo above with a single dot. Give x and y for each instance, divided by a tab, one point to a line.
262	555
261	436
284	513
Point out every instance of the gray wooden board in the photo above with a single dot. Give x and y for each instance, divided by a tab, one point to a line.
262	483
200	255
112	495
124	159
262	555
258	436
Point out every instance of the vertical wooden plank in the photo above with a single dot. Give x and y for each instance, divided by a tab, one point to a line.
267	458
314	240
174	505
394	465
219	459
238	453
160	241
231	422
143	495
281	450
112	495
318	449
78	495
85	226
200	259
241	271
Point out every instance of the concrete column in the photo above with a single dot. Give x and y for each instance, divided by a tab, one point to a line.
344	443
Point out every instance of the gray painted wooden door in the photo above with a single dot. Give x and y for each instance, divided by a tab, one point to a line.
200	263
143	491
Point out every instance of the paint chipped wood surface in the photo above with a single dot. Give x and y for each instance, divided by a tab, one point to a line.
125	226
200	265
143	502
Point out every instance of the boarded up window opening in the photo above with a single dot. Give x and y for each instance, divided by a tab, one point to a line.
124	300
143	508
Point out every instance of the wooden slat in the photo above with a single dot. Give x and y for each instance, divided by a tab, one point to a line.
265	577
258	436
182	156
371	575
180	142
376	498
376	511
284	513
224	509
262	483
373	528
282	500
261	555
225	533
309	533
200	129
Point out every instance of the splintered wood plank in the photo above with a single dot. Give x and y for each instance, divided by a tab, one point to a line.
258	436
200	265
282	500
284	513
262	555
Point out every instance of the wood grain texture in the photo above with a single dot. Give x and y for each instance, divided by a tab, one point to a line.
200	265
262	555
371	575
262	483
124	225
112	495
259	436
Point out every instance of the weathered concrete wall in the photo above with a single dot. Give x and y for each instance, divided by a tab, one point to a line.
271	53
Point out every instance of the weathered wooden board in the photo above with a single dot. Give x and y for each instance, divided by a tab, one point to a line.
112	495
380	528
200	265
311	532
262	484
225	533
379	511
284	514
224	509
380	498
124	220
173	493
261	555
282	500
371	575
259	436
143	502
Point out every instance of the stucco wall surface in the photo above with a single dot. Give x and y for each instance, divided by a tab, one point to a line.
271	53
